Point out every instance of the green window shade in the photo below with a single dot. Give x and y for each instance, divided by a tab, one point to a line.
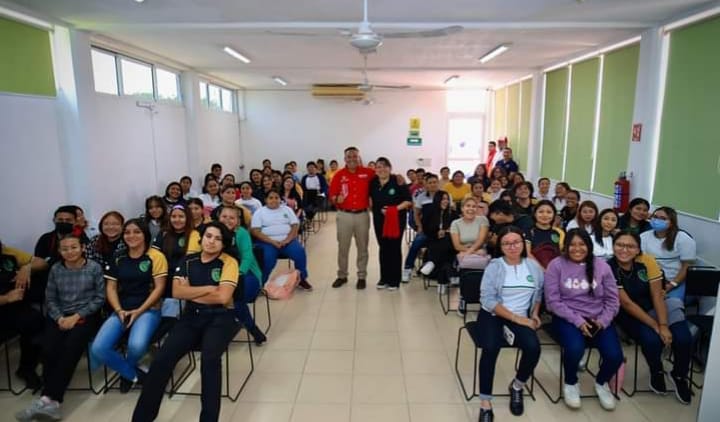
500	113
554	123
26	65
583	102
521	155
616	115
688	167
513	110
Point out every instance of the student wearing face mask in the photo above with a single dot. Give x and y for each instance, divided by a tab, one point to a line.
672	247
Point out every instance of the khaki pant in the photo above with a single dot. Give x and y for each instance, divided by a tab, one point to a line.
349	225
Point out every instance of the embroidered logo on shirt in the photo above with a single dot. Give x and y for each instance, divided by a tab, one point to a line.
642	275
7	266
530	279
144	266
392	191
215	274
181	242
555	238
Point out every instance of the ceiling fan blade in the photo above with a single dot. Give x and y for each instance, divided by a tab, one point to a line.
392	86
440	32
340	34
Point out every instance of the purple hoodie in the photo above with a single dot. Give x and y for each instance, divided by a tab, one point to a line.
567	292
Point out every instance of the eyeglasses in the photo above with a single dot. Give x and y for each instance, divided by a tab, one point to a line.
626	246
514	244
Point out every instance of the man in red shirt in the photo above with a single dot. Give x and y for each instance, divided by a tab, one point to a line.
490	156
349	193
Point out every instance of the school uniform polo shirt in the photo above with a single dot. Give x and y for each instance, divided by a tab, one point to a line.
353	186
636	283
11	260
135	277
221	270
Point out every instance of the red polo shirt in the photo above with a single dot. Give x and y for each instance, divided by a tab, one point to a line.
354	186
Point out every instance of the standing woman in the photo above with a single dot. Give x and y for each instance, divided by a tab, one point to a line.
197	213
635	218
74	295
104	246
510	295
605	229
673	248
206	280
173	195
155	216
649	317
211	195
135	285
585	218
390	202
582	294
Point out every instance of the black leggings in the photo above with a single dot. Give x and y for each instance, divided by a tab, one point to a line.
20	318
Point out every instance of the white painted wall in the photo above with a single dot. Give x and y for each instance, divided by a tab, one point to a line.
32	175
218	141
293	125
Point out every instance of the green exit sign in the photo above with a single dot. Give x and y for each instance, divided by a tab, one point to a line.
413	141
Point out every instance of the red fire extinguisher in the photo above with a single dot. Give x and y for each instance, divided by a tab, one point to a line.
622	193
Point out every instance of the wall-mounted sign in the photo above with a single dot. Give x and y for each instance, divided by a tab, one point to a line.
637	132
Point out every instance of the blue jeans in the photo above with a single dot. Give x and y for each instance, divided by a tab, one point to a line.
678	292
418	243
573	342
652	346
292	250
251	287
112	330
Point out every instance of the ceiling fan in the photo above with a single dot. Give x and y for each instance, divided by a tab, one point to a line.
367	41
366	86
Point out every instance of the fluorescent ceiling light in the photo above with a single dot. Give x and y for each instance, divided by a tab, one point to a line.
451	78
494	53
279	80
237	55
139	1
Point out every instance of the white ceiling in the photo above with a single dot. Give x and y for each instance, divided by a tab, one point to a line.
193	32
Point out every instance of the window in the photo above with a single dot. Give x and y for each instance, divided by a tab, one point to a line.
104	72
227	100
137	79
214	97
167	85
204	93
465	143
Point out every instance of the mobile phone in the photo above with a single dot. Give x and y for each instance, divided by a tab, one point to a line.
126	320
594	328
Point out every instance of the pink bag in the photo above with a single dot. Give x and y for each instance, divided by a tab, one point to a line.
475	261
282	285
618	380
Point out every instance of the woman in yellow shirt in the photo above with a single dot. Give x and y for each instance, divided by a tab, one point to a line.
457	188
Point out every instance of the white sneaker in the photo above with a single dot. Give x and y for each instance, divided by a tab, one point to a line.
454	281
406	274
582	366
427	268
571	395
607	400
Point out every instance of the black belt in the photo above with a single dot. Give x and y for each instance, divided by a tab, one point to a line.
354	211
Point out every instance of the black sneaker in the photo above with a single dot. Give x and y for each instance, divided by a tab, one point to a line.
486	415
257	335
682	389
32	381
517	406
657	383
304	285
339	282
380	285
360	284
125	385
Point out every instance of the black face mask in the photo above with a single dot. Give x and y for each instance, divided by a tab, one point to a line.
64	228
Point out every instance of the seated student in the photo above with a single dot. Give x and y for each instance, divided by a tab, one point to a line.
544	189
605	228
135	282
469	233
155	216
561	189
256	183
320	164
673	248
104	246
216	172
510	295
477	190
210	196
277	178
314	185
445	176
197	212
516	178
483	209
242	250
585	217
75	294
582	294
16	314
568	212
186	187
649	317
480	175
544	241
457	188
178	240
495	190
501	215
227	180
173	196
46	248
419	184
206	281
437	220
635	218
522	198
228	200
290	197
82	222
247	199
421	204
276	227
267	186
497	173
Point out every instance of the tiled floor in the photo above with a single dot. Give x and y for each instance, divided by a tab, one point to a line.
346	355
